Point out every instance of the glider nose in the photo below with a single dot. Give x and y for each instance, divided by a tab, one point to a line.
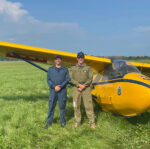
137	93
144	103
138	102
143	96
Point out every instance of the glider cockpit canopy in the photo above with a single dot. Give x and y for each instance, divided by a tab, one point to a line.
118	68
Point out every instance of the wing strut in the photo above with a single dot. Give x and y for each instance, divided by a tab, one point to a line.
35	65
28	61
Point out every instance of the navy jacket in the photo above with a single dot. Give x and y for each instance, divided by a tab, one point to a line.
58	76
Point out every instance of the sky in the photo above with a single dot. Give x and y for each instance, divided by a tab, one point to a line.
96	27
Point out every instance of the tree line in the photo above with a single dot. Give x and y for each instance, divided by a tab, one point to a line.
111	57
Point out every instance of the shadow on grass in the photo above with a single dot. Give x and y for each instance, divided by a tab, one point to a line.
26	98
140	119
143	118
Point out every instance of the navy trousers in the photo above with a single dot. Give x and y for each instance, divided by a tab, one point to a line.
53	98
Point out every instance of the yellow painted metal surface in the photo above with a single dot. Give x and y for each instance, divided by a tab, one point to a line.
144	65
134	98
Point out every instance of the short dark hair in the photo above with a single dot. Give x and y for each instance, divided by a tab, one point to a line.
58	56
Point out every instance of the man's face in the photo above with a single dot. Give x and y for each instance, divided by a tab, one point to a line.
58	61
80	60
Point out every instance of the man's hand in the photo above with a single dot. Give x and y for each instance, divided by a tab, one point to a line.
79	89
57	88
82	86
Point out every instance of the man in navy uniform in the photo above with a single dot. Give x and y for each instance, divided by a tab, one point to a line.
57	79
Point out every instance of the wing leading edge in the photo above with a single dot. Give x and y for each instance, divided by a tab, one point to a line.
47	56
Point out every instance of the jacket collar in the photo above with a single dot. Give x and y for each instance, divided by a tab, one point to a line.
84	64
58	68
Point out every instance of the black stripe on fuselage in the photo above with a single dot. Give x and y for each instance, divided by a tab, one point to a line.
123	80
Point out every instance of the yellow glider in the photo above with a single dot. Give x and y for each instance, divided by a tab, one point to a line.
119	86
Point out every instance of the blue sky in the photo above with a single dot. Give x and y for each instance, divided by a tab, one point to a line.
98	27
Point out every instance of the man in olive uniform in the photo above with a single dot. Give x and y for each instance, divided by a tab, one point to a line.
81	76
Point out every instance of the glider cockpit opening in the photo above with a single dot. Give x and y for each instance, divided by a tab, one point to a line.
117	69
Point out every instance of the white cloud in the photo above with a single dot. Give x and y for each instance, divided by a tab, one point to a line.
17	25
13	10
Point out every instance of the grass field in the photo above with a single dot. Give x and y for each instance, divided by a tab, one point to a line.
23	111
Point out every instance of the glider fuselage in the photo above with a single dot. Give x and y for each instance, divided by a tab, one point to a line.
125	92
